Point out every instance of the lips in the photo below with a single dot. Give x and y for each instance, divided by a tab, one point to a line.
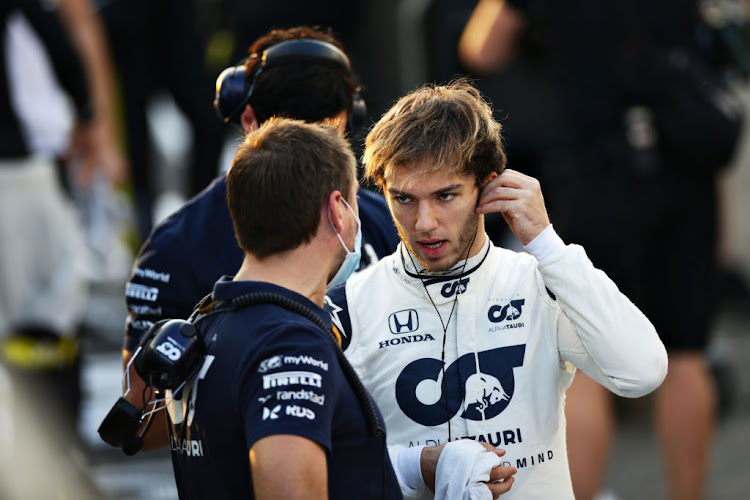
432	249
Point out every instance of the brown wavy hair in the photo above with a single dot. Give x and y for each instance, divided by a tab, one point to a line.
433	127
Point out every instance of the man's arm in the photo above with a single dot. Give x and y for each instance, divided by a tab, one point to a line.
600	324
601	331
139	395
489	37
288	466
66	60
87	31
153	293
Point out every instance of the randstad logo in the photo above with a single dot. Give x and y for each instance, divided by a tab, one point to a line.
405	321
455	288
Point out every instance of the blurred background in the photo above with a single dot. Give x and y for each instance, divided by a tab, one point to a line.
150	67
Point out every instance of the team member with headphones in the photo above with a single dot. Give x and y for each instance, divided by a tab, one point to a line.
300	73
293	419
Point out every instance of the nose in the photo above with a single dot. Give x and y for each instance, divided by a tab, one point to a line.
426	218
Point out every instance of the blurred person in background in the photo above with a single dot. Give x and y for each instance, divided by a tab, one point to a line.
43	257
157	48
635	185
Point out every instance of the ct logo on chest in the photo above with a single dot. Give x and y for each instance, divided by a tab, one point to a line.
510	311
455	288
429	399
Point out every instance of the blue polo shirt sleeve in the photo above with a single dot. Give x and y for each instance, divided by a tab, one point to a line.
154	291
180	262
291	387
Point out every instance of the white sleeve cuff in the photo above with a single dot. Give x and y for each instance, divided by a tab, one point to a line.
545	245
407	465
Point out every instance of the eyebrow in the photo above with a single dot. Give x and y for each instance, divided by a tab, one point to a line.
443	190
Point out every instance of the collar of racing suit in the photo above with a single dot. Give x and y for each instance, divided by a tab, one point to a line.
413	268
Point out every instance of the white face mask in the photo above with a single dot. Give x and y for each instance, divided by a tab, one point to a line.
351	261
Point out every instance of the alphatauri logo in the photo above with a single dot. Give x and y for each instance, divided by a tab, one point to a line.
431	396
510	311
455	288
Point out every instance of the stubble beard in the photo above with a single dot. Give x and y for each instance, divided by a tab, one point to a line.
465	239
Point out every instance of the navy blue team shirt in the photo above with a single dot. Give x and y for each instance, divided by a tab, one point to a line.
271	371
187	253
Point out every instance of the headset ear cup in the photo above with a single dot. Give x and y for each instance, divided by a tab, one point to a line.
231	93
150	333
357	124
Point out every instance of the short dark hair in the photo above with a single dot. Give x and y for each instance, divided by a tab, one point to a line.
305	90
437	126
280	179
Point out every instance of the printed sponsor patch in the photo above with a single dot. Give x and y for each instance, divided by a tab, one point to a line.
152	275
141	324
271	414
301	395
305	360
405	321
269	364
275	362
300	412
141	292
283	379
145	310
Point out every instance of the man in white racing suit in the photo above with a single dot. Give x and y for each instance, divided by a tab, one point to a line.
457	338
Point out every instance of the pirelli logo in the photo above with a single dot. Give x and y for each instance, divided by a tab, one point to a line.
141	292
283	379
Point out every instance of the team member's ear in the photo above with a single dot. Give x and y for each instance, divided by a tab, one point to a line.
335	211
248	120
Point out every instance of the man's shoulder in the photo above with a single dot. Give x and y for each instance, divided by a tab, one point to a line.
183	257
365	280
267	307
376	271
512	257
186	221
194	232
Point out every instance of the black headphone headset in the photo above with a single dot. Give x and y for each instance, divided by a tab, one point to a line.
172	350
234	89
